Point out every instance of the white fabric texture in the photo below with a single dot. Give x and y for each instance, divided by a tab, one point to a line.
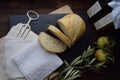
2	69
13	46
15	30
115	13
36	63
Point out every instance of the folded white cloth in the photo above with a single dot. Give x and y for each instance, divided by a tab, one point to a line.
36	63
11	47
14	46
115	12
2	69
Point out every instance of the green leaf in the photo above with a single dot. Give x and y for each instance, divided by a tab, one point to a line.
88	52
68	73
92	60
98	65
66	69
75	60
76	72
78	62
66	63
83	55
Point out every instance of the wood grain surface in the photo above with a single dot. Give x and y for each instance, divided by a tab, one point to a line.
15	7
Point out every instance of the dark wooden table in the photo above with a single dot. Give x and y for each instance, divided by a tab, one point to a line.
13	7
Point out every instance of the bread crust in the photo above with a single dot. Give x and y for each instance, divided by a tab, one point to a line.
51	44
80	31
60	35
73	26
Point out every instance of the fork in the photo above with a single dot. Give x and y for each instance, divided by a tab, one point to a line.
25	29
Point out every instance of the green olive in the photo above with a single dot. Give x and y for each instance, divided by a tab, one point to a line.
100	55
103	42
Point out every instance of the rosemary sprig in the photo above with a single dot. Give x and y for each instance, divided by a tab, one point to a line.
81	64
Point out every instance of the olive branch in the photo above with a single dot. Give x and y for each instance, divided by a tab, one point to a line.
81	64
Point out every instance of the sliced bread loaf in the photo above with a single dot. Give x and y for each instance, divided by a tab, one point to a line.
51	44
73	26
60	35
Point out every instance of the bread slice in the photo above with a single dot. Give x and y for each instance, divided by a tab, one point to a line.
60	35
73	26
51	44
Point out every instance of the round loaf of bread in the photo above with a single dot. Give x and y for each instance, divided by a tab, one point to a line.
73	26
51	44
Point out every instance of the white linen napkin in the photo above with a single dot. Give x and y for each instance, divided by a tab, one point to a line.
11	47
36	63
115	4
14	46
2	70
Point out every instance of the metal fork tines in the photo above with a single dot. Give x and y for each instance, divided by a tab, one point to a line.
26	28
24	31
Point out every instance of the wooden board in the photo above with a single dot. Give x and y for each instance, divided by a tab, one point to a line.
64	9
